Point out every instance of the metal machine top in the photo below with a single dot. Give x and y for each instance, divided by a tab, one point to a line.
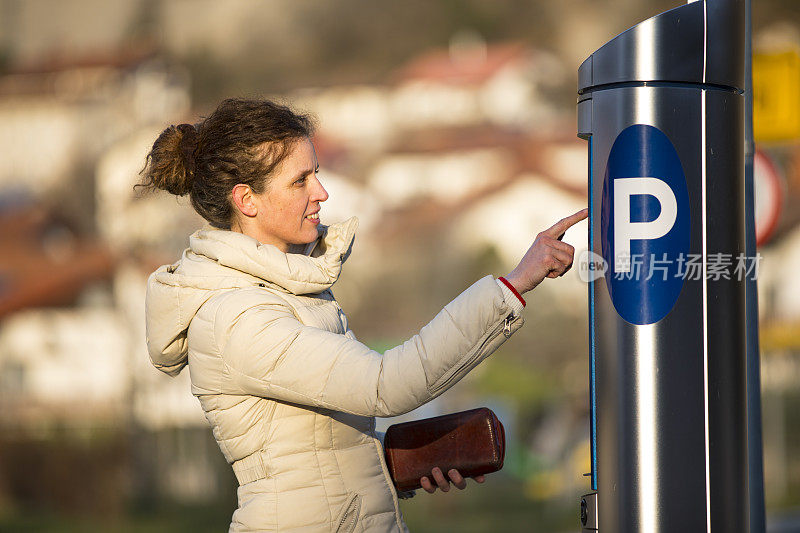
688	44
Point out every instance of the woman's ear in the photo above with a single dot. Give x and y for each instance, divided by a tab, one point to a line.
244	200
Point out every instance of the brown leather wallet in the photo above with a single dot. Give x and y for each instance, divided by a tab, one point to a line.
473	442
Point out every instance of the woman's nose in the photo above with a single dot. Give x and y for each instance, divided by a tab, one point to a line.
319	194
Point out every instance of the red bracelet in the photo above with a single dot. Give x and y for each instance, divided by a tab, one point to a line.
512	289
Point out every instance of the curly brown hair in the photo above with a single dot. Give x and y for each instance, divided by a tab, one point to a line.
242	141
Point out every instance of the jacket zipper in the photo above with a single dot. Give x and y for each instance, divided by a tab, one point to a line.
505	326
351	509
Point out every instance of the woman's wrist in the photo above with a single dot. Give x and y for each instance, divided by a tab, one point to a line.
511	293
515	282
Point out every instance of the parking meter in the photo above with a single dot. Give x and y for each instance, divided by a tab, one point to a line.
662	108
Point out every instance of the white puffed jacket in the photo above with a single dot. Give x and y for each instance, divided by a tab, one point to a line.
289	392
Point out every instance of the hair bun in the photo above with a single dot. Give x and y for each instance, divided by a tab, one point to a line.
188	147
171	163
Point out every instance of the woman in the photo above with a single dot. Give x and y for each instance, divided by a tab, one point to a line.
290	393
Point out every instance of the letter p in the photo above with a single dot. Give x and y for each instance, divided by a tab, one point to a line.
624	230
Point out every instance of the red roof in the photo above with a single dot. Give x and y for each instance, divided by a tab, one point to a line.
43	263
41	77
116	59
470	67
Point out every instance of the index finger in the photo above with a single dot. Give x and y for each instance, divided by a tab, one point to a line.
558	229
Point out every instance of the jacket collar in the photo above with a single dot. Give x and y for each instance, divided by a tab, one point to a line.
314	270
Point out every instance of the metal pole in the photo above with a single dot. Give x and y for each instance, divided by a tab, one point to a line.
663	106
755	459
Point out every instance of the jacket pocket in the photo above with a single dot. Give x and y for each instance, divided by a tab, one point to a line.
347	520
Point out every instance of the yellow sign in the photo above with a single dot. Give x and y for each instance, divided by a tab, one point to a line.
776	96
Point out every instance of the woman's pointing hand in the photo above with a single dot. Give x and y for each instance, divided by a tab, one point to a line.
548	256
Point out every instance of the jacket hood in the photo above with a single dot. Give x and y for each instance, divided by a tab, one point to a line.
219	260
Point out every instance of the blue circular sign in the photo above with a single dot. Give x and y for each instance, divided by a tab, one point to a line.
645	224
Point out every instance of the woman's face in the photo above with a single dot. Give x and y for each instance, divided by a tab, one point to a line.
288	209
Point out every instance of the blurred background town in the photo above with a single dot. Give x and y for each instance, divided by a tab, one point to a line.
447	127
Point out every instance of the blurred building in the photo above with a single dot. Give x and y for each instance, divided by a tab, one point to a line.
469	84
58	116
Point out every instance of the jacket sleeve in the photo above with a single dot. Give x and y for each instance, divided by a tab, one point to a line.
267	352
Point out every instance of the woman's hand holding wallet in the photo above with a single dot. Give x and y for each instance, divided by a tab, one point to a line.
469	443
441	481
